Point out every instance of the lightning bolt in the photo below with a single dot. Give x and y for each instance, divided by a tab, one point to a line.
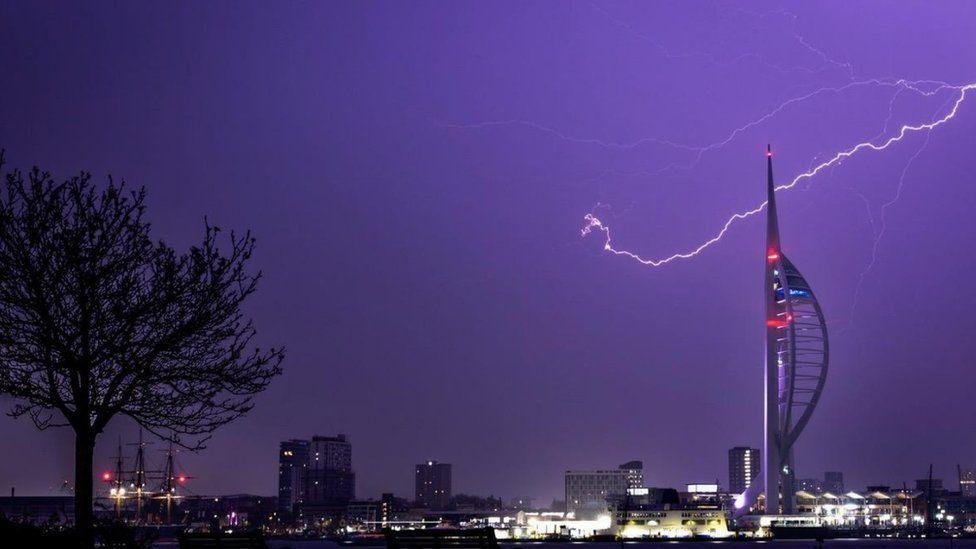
716	61
846	66
592	223
925	88
884	225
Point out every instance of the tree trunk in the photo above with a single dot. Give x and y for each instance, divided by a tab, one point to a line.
84	490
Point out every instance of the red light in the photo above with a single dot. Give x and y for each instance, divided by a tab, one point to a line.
773	256
182	479
106	476
769	153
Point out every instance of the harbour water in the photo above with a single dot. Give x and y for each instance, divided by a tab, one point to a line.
869	543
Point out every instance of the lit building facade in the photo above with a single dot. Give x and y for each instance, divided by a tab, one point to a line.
810	485
670	523
375	515
863	510
635	474
743	468
330	481
292	465
627	524
702	495
967	482
588	491
432	485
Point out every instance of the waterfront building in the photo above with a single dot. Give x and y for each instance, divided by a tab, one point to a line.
932	487
810	485
432	485
229	511
38	509
635	473
330	481
833	482
743	468
292	466
863	510
524	503
374	515
967	482
590	491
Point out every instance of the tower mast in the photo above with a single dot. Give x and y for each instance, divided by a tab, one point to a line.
139	475
168	485
119	482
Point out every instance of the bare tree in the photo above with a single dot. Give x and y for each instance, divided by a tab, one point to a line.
99	320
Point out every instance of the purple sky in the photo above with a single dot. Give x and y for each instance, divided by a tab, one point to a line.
417	176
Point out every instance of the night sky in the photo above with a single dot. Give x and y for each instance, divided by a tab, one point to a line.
417	176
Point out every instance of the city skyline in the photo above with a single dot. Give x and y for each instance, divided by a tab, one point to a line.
416	178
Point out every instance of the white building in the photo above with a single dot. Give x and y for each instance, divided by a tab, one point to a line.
587	491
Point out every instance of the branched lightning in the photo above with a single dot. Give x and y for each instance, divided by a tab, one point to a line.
716	61
592	223
692	154
879	235
924	88
623	145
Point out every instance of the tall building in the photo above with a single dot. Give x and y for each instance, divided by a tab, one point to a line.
796	362
432	485
292	464
588	490
635	474
834	482
330	481
743	468
967	482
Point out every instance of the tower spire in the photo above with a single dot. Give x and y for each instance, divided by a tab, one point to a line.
796	337
772	222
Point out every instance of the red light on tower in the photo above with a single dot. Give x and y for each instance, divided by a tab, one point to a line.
182	479
772	256
106	476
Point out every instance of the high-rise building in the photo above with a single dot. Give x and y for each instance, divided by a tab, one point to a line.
432	485
635	474
588	491
292	464
796	362
330	480
743	468
967	482
834	482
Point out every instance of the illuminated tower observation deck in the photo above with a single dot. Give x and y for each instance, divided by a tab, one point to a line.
796	364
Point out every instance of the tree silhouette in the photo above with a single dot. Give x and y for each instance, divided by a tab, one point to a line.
99	320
